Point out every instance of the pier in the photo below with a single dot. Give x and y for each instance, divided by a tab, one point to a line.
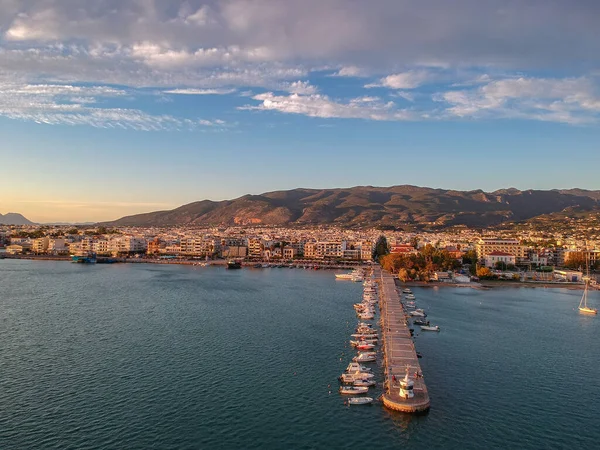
398	351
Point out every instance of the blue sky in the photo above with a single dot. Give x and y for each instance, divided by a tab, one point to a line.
111	108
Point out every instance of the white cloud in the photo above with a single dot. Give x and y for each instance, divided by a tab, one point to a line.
191	91
56	104
405	80
567	100
301	87
322	106
351	71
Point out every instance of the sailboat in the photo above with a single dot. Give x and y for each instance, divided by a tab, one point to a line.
583	307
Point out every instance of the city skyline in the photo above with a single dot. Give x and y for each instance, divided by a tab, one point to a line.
137	106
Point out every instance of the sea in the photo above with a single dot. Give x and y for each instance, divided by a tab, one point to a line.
144	356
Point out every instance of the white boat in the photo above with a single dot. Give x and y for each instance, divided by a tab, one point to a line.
355	367
407	291
364	359
410	297
363	341
583	307
367	316
429	328
360	400
366	383
343	276
417	314
353	390
365	336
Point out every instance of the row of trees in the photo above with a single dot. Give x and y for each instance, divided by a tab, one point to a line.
421	265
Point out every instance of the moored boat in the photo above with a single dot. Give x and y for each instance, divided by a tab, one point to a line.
360	400
430	328
353	390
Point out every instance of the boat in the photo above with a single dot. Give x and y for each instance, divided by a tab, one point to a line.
84	258
355	367
365	346
406	291
353	390
364	358
234	264
430	328
410	297
417	313
360	400
421	322
366	383
583	307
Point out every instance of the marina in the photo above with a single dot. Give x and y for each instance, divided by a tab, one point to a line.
402	369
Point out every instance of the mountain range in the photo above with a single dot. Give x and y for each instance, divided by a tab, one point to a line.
14	219
366	206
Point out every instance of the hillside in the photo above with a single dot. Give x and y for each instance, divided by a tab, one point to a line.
367	206
14	219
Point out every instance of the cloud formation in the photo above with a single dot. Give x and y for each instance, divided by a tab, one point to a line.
462	57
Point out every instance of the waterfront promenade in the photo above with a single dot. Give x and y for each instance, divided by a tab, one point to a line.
398	351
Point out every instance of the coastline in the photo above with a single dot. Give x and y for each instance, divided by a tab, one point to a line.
485	285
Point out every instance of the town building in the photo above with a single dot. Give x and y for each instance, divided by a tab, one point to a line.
513	247
492	258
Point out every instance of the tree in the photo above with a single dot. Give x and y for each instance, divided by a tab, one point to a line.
381	248
484	272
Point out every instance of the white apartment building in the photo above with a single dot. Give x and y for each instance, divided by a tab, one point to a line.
40	245
255	247
513	247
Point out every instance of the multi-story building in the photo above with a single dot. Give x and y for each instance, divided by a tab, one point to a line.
154	247
200	247
493	258
57	246
40	245
310	250
255	247
513	247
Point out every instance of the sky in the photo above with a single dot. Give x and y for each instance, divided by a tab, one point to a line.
116	107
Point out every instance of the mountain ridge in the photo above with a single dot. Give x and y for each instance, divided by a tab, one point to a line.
369	205
14	219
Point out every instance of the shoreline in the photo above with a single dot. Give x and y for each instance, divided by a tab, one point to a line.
485	285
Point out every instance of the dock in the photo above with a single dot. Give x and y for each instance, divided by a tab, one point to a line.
398	351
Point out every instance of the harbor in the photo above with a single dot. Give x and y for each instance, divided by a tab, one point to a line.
400	359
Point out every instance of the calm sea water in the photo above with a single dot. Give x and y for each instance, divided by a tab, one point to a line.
148	356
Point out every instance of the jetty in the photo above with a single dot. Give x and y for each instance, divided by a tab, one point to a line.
399	352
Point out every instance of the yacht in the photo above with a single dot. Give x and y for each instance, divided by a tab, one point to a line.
583	307
353	390
360	401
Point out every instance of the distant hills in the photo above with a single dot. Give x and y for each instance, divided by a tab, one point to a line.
372	206
14	219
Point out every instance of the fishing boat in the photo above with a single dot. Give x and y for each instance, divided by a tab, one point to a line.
430	328
232	264
84	258
362	358
421	322
366	383
360	401
355	367
353	390
583	307
365	346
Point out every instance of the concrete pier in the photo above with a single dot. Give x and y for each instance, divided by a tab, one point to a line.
398	351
